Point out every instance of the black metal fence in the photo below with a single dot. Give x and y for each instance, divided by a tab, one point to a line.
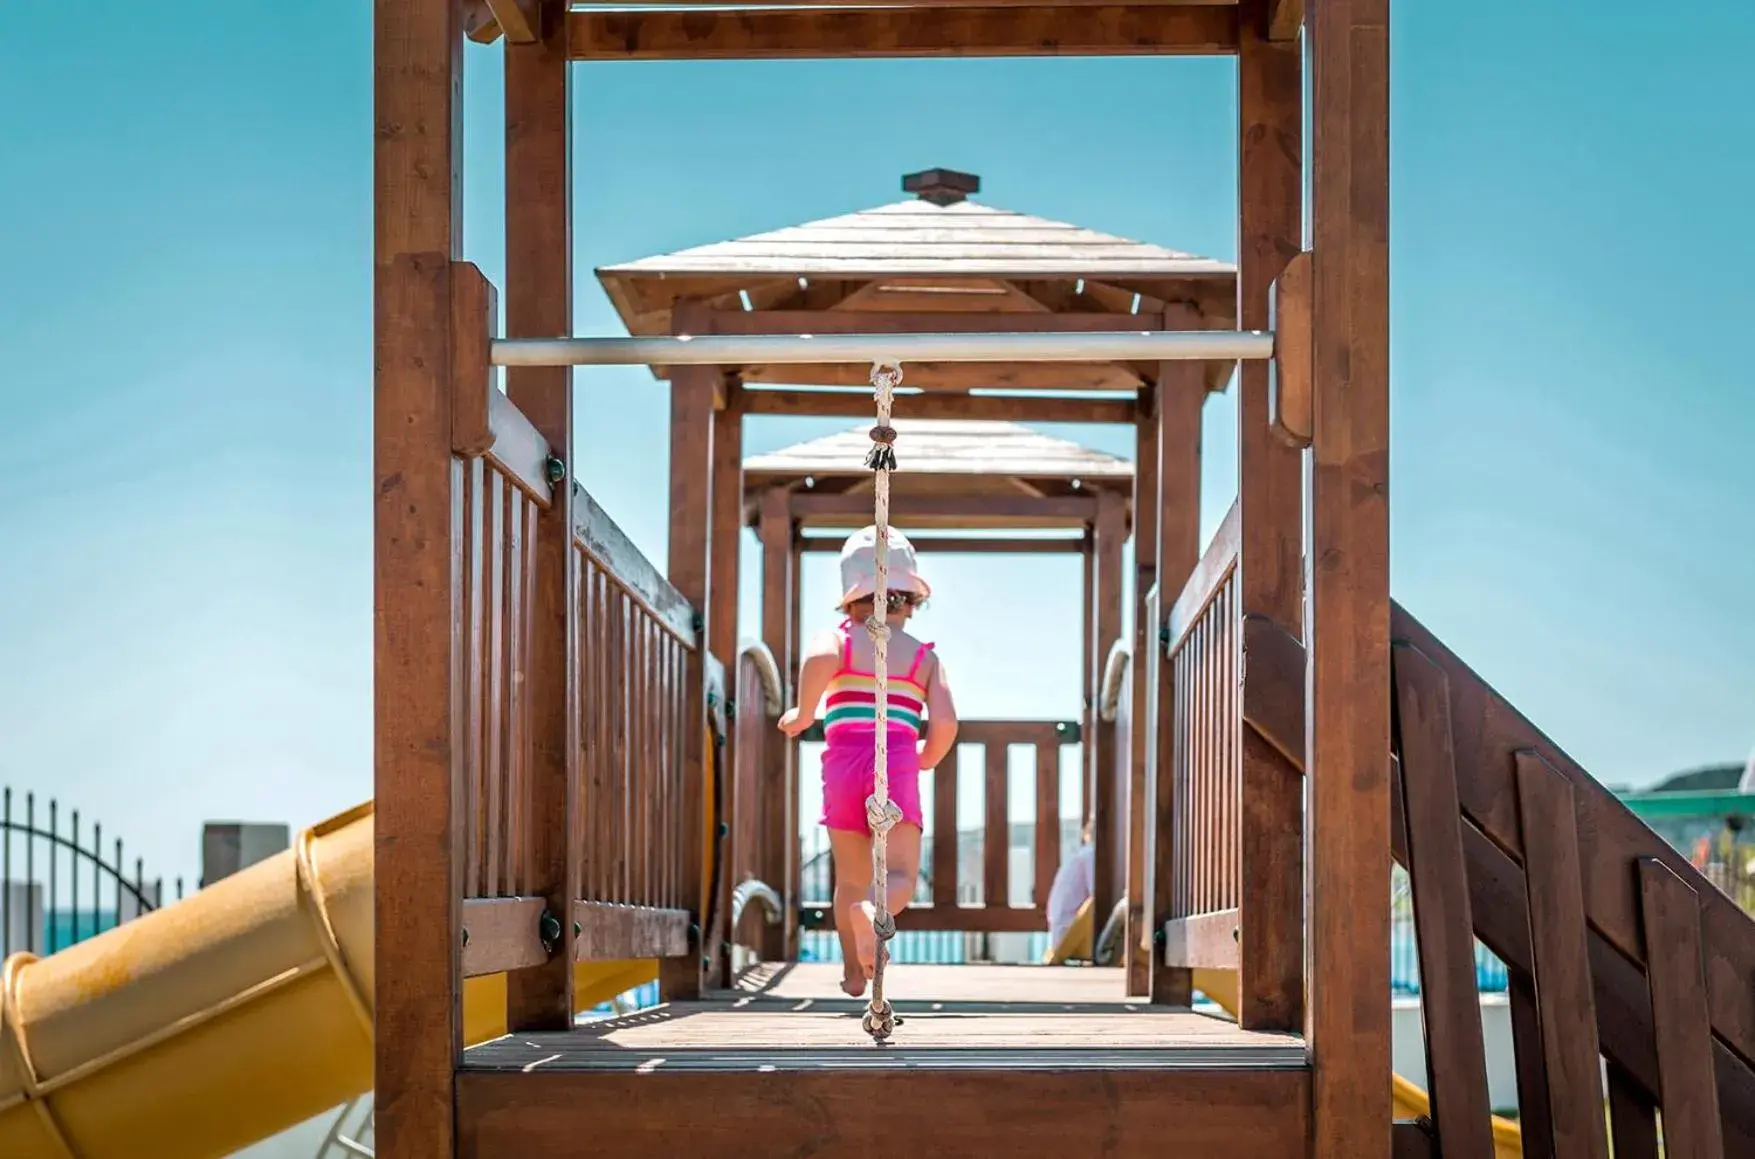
57	887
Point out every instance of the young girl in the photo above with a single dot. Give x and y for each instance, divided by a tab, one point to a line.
839	664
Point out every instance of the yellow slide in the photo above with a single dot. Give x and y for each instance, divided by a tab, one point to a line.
200	1028
1411	1102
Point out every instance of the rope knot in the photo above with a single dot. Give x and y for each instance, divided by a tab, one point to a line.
885	377
882	814
879	633
879	1021
884	926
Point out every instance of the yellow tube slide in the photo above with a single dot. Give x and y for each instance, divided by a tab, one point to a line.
1410	1101
202	1027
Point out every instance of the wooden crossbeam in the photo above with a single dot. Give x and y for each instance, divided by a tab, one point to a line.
993	30
985	407
942	322
963	545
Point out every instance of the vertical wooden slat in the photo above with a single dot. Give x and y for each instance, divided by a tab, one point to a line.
1633	1121
1536	1123
1348	1020
1268	876
692	393
1143	660
1204	839
1555	885
473	806
517	679
1681	1022
585	800
1456	1057
539	302
1167	985
724	540
996	844
777	582
1110	532
418	647
602	772
944	831
1048	826
494	771
1092	663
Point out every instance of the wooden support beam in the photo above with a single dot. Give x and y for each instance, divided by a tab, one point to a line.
609	933
1136	957
417	651
1270	485
1109	533
520	21
962	545
757	34
1017	408
502	933
1347	579
589	4
727	532
900	322
1282	20
1203	941
692	394
778	582
539	300
1181	395
974	509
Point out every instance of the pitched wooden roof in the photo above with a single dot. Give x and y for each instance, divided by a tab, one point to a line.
917	237
945	447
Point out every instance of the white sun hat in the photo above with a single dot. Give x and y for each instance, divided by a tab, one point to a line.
859	566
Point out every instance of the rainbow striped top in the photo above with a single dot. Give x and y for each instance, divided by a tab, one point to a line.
852	695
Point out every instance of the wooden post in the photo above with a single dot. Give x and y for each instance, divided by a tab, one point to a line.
693	390
727	532
1109	534
416	581
781	821
1270	487
539	302
1182	393
1137	965
1088	718
1348	581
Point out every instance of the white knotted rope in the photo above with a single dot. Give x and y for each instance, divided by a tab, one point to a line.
881	813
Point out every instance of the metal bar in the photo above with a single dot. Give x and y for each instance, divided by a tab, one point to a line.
807	349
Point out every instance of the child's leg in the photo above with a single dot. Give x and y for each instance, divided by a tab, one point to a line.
903	857
852	853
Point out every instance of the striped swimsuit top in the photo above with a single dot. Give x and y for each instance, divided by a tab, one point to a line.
852	695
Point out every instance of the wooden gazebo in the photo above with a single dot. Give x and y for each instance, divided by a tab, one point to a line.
939	262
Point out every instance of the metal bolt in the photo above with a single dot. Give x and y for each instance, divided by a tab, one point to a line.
724	829
556	468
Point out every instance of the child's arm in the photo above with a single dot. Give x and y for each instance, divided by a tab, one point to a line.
941	716
814	673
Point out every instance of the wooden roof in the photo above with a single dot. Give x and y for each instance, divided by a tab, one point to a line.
918	237
931	263
951	474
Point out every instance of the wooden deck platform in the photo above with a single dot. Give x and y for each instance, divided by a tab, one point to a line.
988	1060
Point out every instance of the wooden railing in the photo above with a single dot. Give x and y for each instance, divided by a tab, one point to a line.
1200	895
504	484
757	854
635	635
1617	950
629	828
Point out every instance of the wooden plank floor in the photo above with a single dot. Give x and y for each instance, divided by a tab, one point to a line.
953	1017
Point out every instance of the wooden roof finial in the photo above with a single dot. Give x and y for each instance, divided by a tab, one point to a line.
941	186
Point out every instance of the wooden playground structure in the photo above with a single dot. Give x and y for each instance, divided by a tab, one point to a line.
576	758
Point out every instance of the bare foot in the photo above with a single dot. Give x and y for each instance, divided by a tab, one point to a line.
865	937
852	981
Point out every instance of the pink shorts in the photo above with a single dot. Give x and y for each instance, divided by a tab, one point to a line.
848	763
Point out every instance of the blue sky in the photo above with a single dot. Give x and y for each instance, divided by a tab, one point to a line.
185	359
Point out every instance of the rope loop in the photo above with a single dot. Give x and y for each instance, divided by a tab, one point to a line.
876	630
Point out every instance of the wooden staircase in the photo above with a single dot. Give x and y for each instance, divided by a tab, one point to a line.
1616	947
